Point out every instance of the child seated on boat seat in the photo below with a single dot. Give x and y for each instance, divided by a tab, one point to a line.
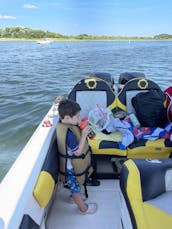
77	159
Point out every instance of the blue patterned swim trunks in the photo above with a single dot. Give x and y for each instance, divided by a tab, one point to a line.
72	182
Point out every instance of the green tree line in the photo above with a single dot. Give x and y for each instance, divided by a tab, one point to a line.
28	33
163	36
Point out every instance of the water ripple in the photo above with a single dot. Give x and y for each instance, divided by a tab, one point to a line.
32	76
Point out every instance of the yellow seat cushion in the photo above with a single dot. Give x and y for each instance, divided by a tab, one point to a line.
114	136
106	144
43	189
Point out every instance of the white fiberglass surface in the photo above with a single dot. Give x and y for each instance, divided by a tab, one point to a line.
64	215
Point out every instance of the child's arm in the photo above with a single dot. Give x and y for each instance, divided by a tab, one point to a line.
84	134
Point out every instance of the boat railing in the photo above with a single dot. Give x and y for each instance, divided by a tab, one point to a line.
17	187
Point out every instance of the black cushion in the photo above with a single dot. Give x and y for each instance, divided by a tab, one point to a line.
149	107
152	176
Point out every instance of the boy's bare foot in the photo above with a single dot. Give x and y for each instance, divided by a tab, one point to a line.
92	208
71	201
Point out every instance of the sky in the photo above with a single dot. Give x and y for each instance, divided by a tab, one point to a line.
93	17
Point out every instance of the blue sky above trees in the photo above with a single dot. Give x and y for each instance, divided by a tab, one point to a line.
94	17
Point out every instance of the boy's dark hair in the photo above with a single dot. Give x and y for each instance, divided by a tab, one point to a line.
68	107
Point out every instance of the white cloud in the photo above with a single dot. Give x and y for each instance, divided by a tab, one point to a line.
30	6
7	17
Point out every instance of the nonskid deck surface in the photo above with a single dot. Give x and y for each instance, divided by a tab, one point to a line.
65	215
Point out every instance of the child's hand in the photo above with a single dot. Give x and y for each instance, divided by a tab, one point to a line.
85	131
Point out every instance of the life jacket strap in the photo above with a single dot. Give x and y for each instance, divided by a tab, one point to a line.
75	174
82	156
85	190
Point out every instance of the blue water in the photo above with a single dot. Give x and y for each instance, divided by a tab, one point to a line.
33	75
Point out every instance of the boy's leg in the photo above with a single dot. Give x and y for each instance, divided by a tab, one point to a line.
84	208
75	191
79	202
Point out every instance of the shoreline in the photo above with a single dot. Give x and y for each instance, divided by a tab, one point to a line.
79	40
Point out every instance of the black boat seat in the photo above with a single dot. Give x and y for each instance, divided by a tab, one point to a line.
126	76
89	92
131	89
107	77
142	148
147	188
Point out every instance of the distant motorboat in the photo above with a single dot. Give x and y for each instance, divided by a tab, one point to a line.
45	41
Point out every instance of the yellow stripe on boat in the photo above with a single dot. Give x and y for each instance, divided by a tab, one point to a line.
151	149
120	105
112	105
44	188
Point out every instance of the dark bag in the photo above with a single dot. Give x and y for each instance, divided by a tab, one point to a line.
149	107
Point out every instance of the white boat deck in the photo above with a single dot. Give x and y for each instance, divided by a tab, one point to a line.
64	215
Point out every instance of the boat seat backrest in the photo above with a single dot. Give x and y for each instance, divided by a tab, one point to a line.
147	188
91	91
131	89
89	99
155	176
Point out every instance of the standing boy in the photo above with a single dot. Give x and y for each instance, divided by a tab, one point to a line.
75	158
